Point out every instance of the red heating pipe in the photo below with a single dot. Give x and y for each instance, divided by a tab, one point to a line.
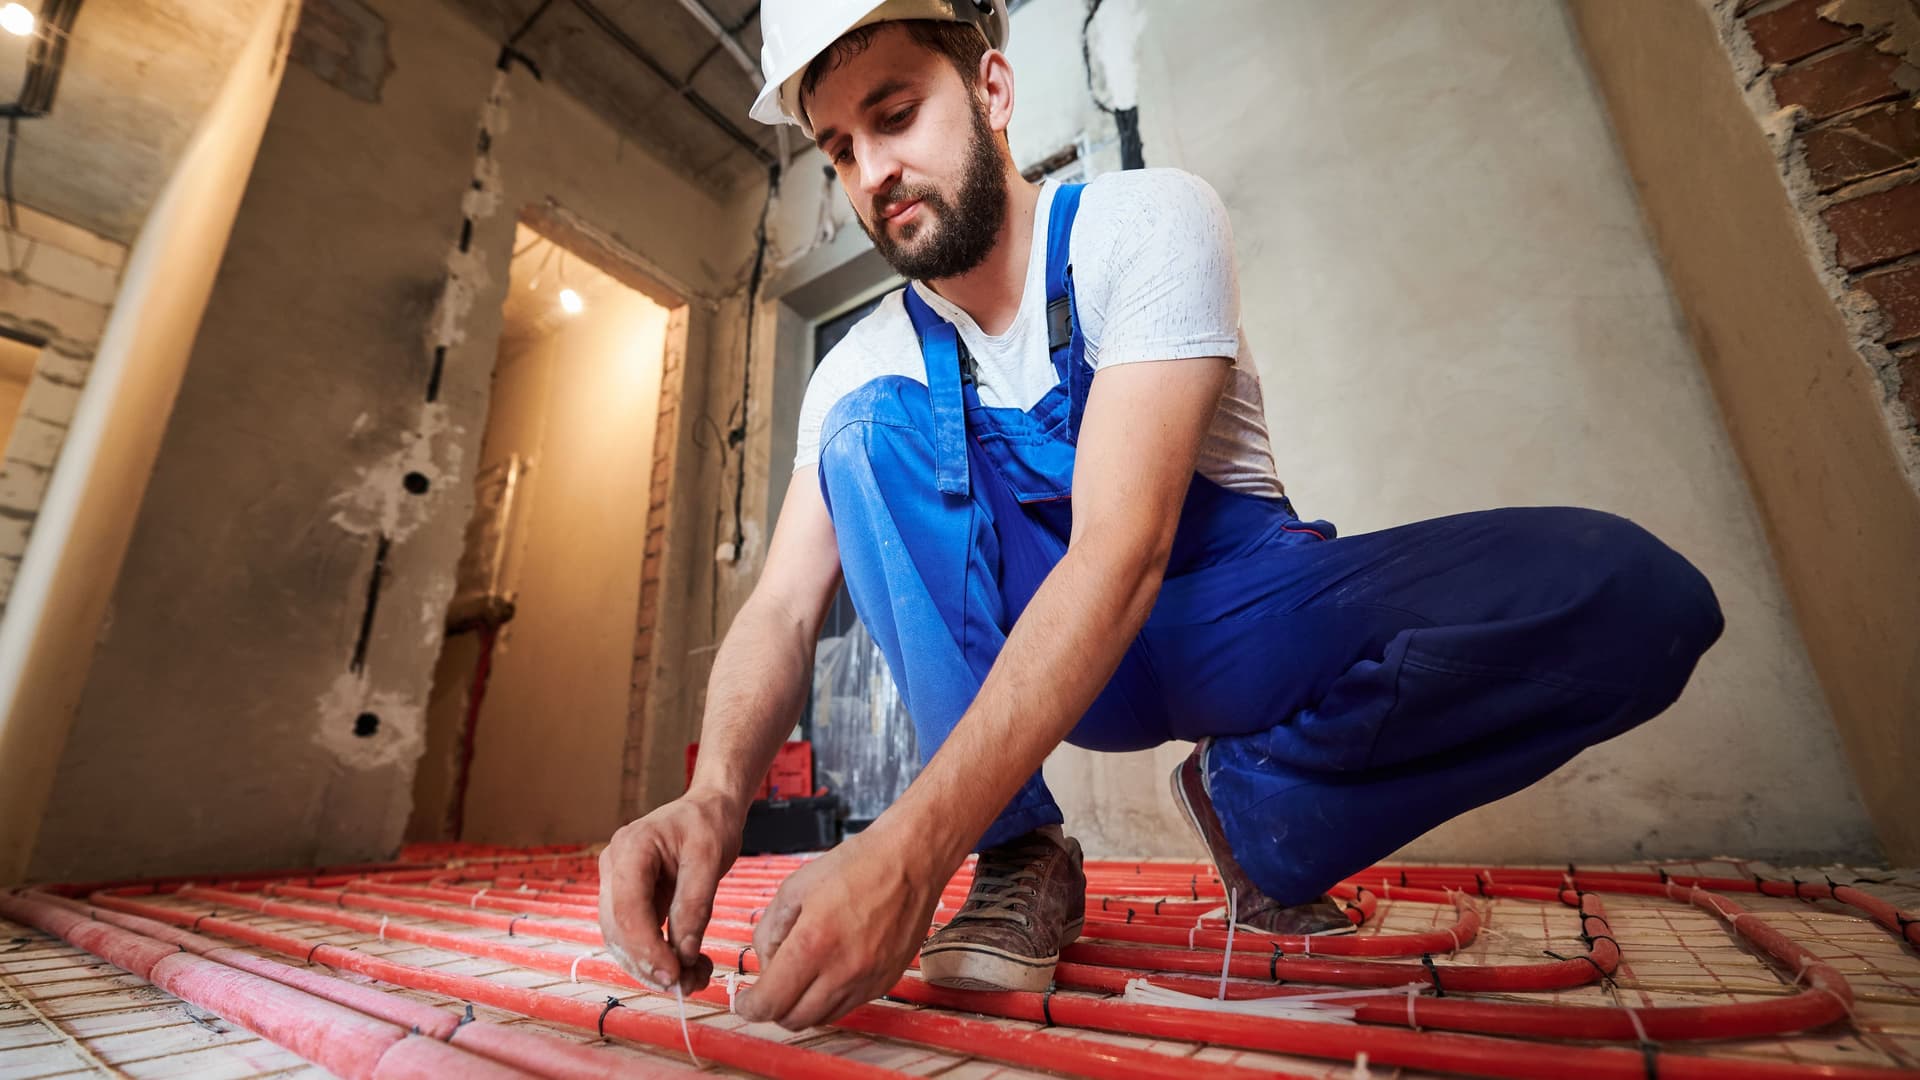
336	1038
1809	1009
1197	1027
760	1056
970	1037
540	1054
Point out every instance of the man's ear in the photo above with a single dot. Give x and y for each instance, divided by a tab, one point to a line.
994	84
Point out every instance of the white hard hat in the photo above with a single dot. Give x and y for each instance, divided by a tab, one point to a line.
796	31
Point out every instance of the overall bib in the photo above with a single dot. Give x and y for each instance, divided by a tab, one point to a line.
1357	691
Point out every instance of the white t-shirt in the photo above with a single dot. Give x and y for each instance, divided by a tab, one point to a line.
1154	279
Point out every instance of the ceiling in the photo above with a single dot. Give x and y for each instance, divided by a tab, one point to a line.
138	75
681	111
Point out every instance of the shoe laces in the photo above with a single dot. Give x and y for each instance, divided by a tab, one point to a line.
1005	884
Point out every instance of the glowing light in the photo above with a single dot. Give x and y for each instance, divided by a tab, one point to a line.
571	303
15	19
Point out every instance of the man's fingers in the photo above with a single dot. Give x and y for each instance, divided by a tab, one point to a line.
827	1000
629	922
695	976
783	979
774	926
695	881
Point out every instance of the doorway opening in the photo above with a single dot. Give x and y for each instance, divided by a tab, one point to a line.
533	702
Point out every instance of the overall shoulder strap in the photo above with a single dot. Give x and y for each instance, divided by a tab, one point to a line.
1066	203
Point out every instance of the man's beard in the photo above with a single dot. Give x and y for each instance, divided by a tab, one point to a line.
963	235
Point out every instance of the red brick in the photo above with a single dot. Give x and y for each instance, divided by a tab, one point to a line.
1875	228
1897	292
1833	84
1863	145
1786	34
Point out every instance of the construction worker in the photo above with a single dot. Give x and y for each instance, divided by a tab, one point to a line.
1044	471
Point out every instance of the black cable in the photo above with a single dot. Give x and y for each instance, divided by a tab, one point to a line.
738	436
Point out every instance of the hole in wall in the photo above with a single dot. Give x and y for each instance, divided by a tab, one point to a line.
416	482
366	725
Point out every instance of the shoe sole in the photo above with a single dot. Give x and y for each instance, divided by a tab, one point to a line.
1193	816
983	967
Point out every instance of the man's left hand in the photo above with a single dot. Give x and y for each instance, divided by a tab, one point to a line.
842	929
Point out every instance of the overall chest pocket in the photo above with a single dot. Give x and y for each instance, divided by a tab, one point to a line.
1032	451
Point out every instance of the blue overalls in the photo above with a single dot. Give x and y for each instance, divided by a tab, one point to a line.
1357	691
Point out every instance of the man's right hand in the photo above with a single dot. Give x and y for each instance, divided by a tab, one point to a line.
667	863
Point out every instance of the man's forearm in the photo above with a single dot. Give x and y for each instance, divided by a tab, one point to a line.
1057	659
760	680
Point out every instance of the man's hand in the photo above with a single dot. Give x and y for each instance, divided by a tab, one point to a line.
842	929
667	863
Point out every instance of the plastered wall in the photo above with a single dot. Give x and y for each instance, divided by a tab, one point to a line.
60	597
1786	342
1455	305
217	725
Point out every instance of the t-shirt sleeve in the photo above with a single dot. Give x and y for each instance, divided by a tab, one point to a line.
1153	266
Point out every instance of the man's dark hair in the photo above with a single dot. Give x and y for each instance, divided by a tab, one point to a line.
961	43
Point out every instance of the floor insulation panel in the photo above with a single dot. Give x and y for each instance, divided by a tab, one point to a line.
486	962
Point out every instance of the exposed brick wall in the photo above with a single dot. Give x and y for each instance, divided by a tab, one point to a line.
1847	73
60	283
666	435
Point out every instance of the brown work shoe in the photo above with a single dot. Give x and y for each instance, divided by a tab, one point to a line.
1028	901
1251	906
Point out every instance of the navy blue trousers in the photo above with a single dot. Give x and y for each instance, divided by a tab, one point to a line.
1355	691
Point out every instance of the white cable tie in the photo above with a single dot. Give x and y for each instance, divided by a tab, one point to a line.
1307	950
475	902
1226	960
1639	1029
680	998
1456	941
1360	1070
732	979
1413	990
573	973
383	928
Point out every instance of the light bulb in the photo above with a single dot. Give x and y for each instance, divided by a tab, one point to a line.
571	303
15	19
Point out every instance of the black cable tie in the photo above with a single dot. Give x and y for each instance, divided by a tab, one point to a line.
1664	876
1351	906
464	1020
1647	1052
1481	883
740	962
1904	922
1434	974
1604	976
1195	886
1403	877
1796	889
1273	965
1156	905
1129	916
510	923
196	922
1570	873
612	1004
315	949
1046	1004
1872	881
1603	937
1103	903
1759	884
